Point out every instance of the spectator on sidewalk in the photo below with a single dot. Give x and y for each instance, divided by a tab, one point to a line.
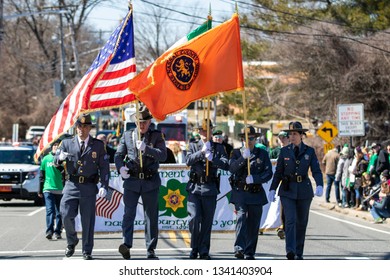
330	161
381	208
344	155
361	167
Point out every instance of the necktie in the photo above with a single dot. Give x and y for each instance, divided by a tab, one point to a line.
296	151
82	147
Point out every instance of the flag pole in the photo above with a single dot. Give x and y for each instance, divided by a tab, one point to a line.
208	132
245	130
139	132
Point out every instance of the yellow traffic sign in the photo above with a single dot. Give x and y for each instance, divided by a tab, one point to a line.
328	147
327	131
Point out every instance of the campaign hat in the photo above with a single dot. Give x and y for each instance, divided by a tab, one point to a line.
250	130
143	115
295	126
85	119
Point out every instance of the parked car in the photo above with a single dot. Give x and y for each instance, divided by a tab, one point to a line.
19	174
33	131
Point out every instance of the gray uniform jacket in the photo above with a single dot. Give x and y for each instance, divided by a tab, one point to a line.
261	171
93	163
154	153
295	171
197	161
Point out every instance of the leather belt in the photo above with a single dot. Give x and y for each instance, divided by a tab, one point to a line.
297	178
142	175
82	179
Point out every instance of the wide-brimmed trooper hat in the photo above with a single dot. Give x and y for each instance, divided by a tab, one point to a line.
251	131
295	126
85	119
143	113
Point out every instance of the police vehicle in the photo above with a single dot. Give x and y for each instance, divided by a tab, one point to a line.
19	174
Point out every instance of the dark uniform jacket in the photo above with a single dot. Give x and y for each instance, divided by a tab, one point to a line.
294	172
127	154
261	171
91	165
198	184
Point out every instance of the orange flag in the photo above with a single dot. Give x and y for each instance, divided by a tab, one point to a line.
204	66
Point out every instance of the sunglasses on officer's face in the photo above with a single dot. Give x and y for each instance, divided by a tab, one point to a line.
251	138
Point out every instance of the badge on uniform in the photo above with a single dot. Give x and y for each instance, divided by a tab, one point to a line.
258	160
286	158
94	155
306	157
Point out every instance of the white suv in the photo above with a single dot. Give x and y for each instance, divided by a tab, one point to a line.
19	174
33	131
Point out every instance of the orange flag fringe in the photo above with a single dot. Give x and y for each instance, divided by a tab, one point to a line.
206	65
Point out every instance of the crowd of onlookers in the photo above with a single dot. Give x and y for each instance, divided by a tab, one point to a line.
360	176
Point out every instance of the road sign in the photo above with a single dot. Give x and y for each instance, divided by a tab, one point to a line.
328	147
327	131
351	119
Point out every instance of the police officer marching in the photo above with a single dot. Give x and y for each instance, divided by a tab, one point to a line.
204	157
141	179
86	164
295	191
248	195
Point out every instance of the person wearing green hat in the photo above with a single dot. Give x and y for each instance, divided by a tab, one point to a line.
282	141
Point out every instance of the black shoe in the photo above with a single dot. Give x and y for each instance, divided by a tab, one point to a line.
239	255
290	256
193	255
49	235
298	257
125	251
250	257
151	255
69	251
87	257
205	257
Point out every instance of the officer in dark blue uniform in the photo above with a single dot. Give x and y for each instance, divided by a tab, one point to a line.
248	195
140	180
295	191
87	163
203	189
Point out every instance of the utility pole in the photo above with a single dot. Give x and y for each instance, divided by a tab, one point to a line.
1	24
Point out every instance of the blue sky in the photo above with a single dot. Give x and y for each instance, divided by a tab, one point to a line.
106	17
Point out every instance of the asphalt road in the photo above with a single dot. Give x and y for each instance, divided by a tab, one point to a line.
332	234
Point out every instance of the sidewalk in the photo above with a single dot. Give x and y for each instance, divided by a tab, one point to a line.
332	206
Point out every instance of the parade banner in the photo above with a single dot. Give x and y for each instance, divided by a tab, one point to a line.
173	204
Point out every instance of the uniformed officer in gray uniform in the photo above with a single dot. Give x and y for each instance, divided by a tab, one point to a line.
203	190
86	163
248	195
296	191
139	181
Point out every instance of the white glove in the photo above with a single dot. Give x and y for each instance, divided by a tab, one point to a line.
246	153
271	196
319	191
141	145
63	155
249	179
124	171
102	192
209	155
206	147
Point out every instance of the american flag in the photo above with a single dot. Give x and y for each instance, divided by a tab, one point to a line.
106	206
103	86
